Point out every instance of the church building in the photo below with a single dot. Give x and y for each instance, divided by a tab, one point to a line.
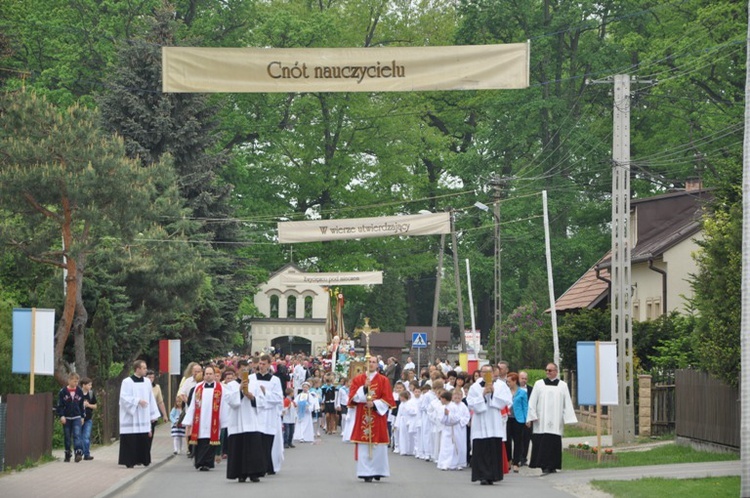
294	315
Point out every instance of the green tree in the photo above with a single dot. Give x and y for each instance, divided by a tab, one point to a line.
63	181
183	126
526	338
717	293
586	325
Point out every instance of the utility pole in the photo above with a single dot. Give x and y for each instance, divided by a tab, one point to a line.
436	305
623	415
457	277
496	184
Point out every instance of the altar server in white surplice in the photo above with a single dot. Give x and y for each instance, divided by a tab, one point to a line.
270	400
245	459
137	410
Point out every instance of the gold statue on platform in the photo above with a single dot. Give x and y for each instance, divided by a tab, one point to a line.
366	330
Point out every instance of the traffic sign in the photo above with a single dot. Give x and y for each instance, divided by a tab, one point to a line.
419	340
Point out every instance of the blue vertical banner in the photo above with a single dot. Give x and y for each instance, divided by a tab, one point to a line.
21	341
587	373
43	341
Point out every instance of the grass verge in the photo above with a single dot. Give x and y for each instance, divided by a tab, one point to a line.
709	487
660	455
575	431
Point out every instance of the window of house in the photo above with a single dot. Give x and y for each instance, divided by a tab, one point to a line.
274	306
656	308
653	308
308	306
291	307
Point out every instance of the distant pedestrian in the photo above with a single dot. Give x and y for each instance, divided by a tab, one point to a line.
178	429
70	409
328	393
523	379
514	446
89	405
159	397
307	404
289	417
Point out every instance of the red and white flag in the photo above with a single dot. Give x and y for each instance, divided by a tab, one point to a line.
169	356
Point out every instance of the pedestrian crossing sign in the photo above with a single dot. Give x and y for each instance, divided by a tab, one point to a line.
418	340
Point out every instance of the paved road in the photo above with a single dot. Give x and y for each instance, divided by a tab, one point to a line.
310	469
307	469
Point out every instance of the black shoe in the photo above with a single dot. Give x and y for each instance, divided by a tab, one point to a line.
67	458
130	466
484	483
377	478
88	457
292	446
203	469
368	479
242	479
79	456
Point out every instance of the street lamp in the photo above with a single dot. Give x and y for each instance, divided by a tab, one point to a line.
498	301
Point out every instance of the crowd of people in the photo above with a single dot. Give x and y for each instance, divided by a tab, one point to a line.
249	410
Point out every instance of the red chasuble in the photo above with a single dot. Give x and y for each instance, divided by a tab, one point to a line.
366	421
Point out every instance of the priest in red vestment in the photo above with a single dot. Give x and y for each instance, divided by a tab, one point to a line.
204	417
371	397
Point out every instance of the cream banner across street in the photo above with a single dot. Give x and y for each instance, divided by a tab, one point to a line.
340	278
362	228
380	69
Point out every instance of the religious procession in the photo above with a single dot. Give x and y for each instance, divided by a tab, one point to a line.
245	412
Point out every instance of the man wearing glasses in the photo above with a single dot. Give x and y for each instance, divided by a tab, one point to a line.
550	408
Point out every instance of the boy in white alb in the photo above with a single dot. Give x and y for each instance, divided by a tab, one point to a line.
407	412
453	438
425	432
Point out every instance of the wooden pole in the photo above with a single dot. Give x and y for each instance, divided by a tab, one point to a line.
169	393
33	350
436	303
457	278
598	409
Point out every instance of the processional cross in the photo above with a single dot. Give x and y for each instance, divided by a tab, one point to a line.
366	330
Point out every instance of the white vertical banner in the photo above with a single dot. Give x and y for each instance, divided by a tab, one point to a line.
175	346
